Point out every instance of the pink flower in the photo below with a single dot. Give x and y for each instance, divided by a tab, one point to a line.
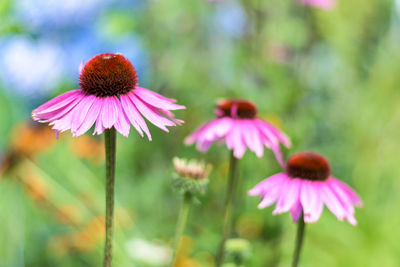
237	125
306	186
324	4
109	96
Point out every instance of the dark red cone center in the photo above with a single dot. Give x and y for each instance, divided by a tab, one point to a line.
108	75
309	166
236	109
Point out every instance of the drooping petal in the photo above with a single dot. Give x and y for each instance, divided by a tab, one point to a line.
273	193
134	116
59	113
109	111
154	99
267	183
289	195
235	141
91	116
99	128
252	138
57	102
295	211
69	120
213	131
331	201
80	112
311	201
344	199
282	137
150	114
122	124
356	200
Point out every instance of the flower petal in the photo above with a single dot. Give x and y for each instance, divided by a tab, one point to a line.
134	116
122	124
264	185
80	112
289	195
331	201
235	141
150	114
109	111
252	138
311	201
155	100
57	102
91	116
295	211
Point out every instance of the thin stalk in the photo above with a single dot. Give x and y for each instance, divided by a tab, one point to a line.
230	195
180	225
299	240
110	146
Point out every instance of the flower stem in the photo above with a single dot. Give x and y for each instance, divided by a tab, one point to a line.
230	195
180	225
110	145
299	240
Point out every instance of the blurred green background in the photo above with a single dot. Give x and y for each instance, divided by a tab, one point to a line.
329	78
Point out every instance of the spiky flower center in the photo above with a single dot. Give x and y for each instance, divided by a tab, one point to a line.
236	109
308	166
108	75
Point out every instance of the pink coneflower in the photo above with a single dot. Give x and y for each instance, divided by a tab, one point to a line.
305	187
237	125
109	96
324	4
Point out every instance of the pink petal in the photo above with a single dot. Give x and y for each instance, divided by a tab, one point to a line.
170	116
234	140
283	138
155	100
80	112
278	155
267	183
57	102
350	192
171	100
252	138
269	136
134	116
215	130
122	124
295	211
289	196
272	194
331	201
99	128
150	114
324	4
311	201
91	116
59	113
109	111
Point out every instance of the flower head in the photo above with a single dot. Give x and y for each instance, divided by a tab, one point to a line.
109	96
237	124
305	187
191	176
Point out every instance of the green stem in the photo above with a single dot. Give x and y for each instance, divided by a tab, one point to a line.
299	240
230	195
110	145
180	225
